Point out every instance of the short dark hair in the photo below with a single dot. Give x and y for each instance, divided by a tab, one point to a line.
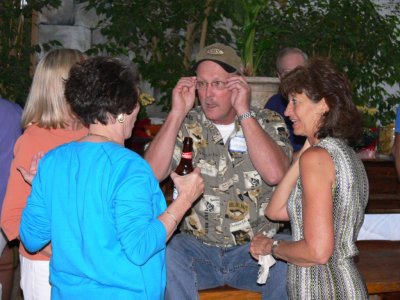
100	87
319	79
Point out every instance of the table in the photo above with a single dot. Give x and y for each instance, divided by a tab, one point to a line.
382	219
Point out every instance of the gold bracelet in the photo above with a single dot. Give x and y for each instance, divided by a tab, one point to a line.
172	217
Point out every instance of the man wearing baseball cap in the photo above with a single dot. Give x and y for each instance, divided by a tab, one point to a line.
242	153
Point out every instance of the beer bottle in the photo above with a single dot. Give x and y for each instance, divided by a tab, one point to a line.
185	165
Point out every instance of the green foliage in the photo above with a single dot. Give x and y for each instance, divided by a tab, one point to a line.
161	38
352	34
153	34
15	47
244	14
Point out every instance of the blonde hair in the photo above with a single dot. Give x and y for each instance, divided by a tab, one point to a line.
46	105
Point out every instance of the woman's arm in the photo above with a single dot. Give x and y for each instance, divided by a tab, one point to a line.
161	149
277	207
317	174
190	187
35	221
140	232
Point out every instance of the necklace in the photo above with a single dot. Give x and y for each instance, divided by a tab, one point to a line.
99	135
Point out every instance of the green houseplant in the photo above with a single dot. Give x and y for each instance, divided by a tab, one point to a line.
252	44
360	37
245	15
17	48
159	36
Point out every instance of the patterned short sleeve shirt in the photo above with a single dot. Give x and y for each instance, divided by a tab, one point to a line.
231	210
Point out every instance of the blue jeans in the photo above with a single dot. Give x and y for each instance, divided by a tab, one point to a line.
193	266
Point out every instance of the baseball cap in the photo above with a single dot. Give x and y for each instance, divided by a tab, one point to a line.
221	54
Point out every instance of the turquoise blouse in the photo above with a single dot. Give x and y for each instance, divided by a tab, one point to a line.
98	204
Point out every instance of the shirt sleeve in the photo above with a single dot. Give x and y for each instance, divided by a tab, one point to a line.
139	231
17	189
35	227
275	126
397	127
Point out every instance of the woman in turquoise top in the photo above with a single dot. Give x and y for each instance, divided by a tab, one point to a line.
99	203
325	191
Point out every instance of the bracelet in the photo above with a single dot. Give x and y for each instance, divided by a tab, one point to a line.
274	245
172	217
246	115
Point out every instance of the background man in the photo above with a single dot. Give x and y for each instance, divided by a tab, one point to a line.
10	124
242	153
287	60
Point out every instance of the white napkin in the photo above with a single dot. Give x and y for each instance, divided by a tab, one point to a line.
265	262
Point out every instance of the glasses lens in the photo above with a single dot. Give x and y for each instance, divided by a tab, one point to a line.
219	85
200	85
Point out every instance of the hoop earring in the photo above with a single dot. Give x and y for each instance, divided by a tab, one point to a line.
121	118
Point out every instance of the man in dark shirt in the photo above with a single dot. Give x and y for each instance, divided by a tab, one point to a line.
287	60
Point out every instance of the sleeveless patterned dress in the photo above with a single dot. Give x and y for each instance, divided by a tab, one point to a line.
339	278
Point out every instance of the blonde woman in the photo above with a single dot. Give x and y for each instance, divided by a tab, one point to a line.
48	123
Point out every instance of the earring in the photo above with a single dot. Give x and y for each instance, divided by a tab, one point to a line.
121	118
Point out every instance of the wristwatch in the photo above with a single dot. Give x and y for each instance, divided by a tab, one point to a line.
246	115
274	245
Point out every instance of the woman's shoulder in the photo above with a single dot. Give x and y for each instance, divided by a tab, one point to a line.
126	161
29	138
316	162
315	154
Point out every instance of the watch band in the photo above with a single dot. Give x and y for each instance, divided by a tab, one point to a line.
246	115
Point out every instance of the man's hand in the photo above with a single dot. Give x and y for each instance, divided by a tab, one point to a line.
183	95
241	91
28	175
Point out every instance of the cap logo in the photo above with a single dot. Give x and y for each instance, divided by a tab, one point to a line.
215	51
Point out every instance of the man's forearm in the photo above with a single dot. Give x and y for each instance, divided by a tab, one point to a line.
160	151
266	155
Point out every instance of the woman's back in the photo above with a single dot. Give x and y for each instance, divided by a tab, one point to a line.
98	196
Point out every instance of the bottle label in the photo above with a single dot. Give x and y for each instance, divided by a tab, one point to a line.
175	193
187	155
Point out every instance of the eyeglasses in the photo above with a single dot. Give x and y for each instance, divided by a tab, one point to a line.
218	85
